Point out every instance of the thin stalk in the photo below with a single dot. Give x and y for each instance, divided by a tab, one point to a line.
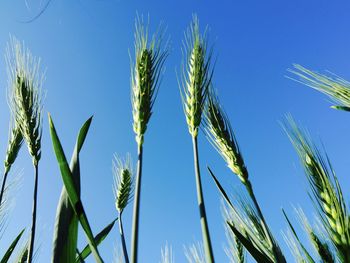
32	233
3	186
203	217
122	236
135	223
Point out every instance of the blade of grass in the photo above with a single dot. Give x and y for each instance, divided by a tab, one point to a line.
74	198
12	247
98	240
66	225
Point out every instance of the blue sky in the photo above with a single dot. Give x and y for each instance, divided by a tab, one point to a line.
84	45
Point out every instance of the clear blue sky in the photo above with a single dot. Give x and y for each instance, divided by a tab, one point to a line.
84	46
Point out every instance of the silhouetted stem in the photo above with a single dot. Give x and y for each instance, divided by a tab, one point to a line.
3	186
135	223
203	217
32	233
122	237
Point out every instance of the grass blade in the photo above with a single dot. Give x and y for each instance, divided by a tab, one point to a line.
73	195
12	247
98	240
66	225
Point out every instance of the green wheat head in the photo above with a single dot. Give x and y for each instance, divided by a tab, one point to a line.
123	182
14	145
338	89
220	134
325	189
146	71
25	82
196	76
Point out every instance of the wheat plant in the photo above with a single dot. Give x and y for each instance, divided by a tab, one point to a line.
220	134
146	70
123	192
195	81
26	80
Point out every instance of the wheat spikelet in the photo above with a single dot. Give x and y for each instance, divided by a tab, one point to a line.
196	76
220	133
338	89
123	182
325	189
14	145
25	83
149	61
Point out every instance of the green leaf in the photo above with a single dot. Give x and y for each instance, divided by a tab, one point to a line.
221	189
66	224
344	108
256	254
12	247
98	239
72	192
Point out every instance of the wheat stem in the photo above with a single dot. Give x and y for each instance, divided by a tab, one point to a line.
122	237
135	223
32	233
203	217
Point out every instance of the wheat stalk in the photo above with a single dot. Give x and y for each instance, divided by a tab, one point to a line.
150	56
25	82
196	78
195	253
123	192
325	189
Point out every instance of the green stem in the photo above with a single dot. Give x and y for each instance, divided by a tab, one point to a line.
250	190
135	223
122	237
32	233
3	186
203	217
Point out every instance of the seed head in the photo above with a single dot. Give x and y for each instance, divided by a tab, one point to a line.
220	134
14	145
145	76
25	84
123	182
196	76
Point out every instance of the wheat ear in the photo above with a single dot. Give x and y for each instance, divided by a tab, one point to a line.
150	55
123	192
26	99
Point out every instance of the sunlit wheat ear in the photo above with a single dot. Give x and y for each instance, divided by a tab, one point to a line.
25	81
146	73
195	253
325	189
14	145
338	89
196	75
123	182
220	134
167	255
